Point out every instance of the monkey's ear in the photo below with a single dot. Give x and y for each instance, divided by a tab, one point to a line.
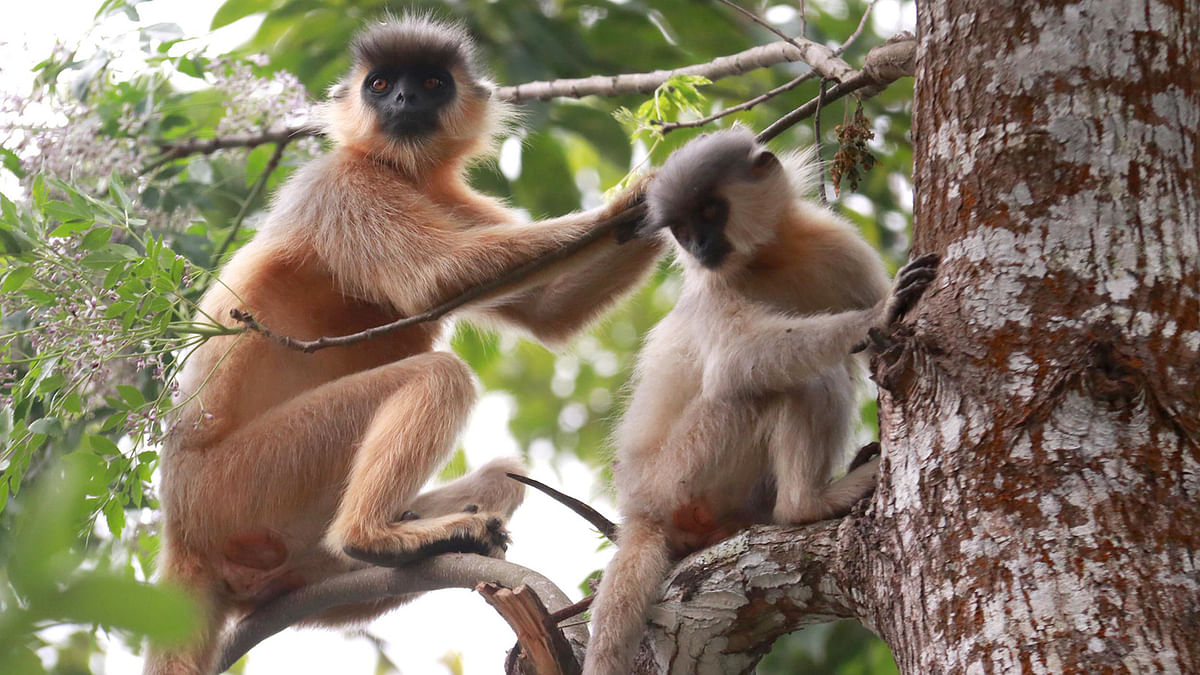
762	163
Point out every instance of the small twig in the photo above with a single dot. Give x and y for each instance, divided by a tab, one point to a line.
817	143
754	17
207	146
515	274
859	81
574	609
667	127
607	527
259	186
862	22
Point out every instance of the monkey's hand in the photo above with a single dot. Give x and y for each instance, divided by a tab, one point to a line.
415	538
631	197
911	282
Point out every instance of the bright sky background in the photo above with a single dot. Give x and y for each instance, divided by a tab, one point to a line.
546	537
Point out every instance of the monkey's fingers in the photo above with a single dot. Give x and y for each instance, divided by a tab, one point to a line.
908	277
929	260
904	298
876	338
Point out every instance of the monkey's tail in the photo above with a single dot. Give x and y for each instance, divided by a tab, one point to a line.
629	586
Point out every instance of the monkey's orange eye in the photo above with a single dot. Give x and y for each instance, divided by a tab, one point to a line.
379	84
431	83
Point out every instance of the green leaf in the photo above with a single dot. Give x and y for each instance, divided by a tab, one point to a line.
233	10
16	278
117	191
72	403
49	426
38	190
131	395
51	383
10	161
41	554
114	516
103	446
96	238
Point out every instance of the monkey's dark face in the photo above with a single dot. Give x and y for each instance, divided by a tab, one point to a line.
701	232
408	98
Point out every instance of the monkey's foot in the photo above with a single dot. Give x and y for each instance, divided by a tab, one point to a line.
865	454
415	539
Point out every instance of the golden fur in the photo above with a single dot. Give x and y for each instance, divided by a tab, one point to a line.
280	460
745	391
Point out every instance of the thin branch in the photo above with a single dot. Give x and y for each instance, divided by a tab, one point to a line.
754	17
572	610
817	143
602	228
859	81
667	127
818	57
207	146
259	186
862	23
452	570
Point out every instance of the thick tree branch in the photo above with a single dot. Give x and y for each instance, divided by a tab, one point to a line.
723	607
454	570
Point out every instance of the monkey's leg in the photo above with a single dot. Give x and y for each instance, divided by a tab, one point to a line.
627	589
487	488
409	437
805	447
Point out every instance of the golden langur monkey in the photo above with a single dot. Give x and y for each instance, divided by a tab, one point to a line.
284	468
744	392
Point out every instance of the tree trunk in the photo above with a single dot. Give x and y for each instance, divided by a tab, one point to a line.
1039	504
1039	512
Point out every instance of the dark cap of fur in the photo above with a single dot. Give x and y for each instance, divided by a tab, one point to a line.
692	172
415	39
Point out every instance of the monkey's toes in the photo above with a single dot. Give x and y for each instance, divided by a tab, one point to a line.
415	540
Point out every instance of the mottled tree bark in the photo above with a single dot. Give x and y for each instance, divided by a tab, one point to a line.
1039	504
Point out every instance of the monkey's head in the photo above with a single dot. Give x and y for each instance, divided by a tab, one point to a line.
414	96
721	196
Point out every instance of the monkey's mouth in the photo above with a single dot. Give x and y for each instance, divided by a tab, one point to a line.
409	126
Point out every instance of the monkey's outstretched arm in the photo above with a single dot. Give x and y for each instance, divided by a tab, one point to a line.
563	297
772	352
